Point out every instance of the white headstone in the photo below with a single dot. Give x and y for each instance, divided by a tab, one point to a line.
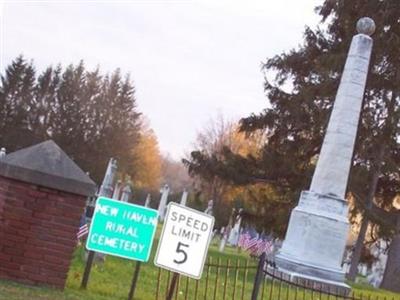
147	202
184	197
378	267
209	209
163	202
117	190
234	234
106	188
126	193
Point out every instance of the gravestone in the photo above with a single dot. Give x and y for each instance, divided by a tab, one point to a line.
184	197
316	236
117	190
378	250
42	197
106	188
234	234
147	201
126	193
163	202
209	209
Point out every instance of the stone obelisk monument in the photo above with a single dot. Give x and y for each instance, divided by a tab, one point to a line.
106	188
318	227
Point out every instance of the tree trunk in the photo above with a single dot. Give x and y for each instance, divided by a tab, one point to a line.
391	277
355	258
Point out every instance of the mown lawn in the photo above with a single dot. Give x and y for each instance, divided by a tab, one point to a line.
112	280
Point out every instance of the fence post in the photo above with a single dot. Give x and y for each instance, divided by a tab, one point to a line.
88	268
259	277
172	286
106	189
134	280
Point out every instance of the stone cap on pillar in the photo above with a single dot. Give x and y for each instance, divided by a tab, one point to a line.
46	164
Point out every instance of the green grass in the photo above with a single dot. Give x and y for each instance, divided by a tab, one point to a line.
112	279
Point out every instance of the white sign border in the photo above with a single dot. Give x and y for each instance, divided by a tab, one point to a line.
118	255
162	236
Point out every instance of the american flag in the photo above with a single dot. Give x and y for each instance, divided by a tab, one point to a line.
262	246
250	243
243	239
83	228
257	247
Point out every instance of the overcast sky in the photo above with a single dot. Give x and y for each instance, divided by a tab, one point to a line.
190	60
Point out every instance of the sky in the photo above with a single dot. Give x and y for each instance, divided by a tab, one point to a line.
190	60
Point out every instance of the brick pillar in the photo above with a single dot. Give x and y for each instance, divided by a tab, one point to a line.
41	202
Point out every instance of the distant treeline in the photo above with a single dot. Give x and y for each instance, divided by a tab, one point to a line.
91	116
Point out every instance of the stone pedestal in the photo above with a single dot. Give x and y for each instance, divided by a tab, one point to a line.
316	239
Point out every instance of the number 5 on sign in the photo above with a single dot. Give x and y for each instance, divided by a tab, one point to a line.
184	240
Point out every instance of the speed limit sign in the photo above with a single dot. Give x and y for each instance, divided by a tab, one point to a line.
184	240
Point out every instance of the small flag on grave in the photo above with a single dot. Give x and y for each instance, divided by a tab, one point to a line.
83	228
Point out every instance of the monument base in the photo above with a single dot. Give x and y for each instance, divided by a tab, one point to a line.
315	242
310	282
290	265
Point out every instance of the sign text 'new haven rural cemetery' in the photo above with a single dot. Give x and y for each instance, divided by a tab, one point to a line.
122	229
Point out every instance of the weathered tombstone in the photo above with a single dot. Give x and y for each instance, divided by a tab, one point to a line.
184	197
148	200
106	188
316	236
42	197
163	202
234	234
126	193
378	250
117	190
209	209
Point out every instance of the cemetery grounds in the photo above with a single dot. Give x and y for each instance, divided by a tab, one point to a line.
112	280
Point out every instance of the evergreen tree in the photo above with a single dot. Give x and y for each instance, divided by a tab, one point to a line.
296	121
44	102
16	94
91	117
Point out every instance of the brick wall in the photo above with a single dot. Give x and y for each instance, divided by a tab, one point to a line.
38	229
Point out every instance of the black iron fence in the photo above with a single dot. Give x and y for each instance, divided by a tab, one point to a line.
222	280
279	287
247	280
252	279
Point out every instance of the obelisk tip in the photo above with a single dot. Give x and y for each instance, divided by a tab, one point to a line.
366	26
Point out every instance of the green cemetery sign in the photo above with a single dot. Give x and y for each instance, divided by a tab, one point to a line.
122	229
